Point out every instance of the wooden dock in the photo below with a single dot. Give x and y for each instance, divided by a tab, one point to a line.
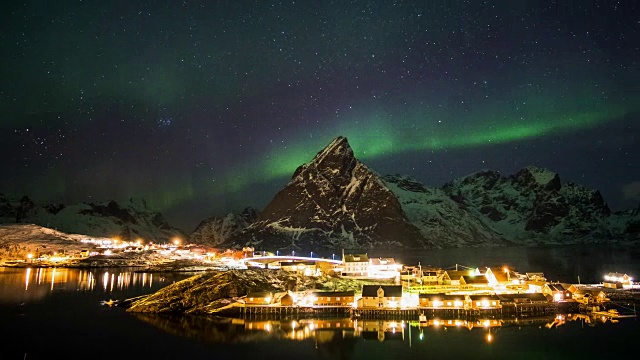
504	312
272	311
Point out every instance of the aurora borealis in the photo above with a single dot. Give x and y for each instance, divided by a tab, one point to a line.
203	108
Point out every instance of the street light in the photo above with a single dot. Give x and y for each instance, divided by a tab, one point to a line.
312	254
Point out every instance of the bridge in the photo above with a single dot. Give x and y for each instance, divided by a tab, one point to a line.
286	258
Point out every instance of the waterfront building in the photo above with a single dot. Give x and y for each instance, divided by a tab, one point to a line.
381	296
556	291
441	301
535	276
614	277
383	268
452	277
355	265
474	283
587	296
259	298
523	299
497	276
429	277
478	302
332	298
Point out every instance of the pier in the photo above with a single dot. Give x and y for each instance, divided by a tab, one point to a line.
295	311
503	312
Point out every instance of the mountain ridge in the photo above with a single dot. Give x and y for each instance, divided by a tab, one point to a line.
335	202
530	207
130	221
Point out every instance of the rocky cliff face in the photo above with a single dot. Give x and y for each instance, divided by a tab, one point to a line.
215	230
130	221
534	206
444	221
332	202
336	202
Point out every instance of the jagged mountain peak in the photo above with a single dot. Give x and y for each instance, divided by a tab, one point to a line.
138	203
535	177
333	201
405	182
335	158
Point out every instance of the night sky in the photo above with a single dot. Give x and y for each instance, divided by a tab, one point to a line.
207	107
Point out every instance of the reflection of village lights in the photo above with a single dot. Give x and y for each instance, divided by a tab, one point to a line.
26	280
489	338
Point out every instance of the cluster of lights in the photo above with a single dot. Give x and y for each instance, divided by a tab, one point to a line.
617	278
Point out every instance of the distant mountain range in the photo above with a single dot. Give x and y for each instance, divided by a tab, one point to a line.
130	221
336	202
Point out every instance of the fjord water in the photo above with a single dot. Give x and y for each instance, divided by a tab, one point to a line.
47	313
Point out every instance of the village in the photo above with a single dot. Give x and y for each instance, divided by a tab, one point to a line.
388	287
408	289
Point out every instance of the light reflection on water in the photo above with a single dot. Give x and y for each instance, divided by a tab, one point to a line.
24	284
345	335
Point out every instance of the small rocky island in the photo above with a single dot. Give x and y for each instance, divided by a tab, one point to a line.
224	293
221	292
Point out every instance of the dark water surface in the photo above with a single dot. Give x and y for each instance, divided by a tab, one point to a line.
57	313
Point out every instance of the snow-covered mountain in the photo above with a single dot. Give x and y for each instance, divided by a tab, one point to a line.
215	230
336	202
18	240
534	206
332	202
440	218
105	219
